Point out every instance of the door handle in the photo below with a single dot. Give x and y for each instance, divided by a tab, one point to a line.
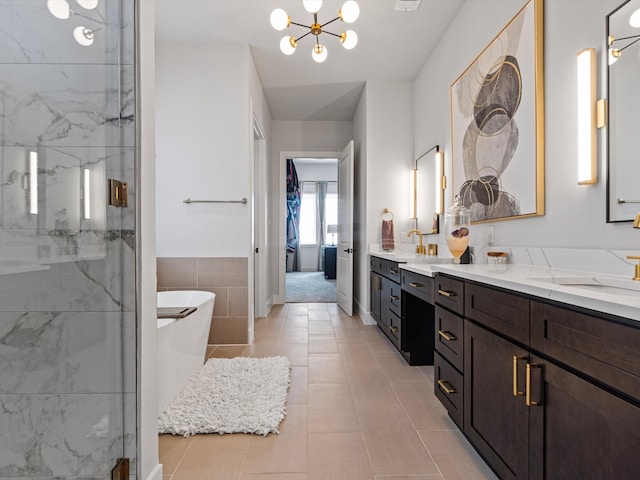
393	298
447	335
516	359
446	387
446	293
415	285
348	250
528	401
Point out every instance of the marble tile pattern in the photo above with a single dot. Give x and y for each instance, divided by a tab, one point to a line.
67	283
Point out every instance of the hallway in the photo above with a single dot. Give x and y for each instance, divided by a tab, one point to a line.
355	411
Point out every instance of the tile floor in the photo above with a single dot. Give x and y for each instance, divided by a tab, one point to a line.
355	411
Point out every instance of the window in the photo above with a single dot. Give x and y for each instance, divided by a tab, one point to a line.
308	208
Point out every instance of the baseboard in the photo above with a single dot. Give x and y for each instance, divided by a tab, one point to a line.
156	473
277	300
365	316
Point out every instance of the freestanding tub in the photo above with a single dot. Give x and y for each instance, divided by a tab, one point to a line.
182	342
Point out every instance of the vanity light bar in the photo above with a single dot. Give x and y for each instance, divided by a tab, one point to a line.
587	116
33	183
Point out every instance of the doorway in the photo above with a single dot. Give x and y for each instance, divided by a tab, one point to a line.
311	230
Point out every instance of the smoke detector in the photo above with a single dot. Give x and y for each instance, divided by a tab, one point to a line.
407	5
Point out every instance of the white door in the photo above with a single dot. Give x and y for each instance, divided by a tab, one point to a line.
344	266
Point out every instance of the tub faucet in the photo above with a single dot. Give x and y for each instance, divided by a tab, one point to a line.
420	249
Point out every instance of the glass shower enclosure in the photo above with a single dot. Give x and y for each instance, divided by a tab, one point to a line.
67	238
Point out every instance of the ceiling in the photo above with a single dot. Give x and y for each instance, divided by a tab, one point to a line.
392	46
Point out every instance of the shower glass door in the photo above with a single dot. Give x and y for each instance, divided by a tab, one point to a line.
67	258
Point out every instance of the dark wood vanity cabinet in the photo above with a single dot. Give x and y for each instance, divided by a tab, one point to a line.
386	306
550	392
406	318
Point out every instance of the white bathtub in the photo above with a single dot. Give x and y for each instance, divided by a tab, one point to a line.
182	342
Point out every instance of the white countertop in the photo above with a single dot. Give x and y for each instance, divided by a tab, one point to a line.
601	292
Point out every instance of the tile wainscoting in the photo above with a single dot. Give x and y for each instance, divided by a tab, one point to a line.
227	277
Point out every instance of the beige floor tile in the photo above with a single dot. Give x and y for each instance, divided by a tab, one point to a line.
228	351
286	452
383	418
435	476
323	344
297	320
274	476
217	457
317	327
422	407
369	387
338	456
394	452
319	316
348	334
299	377
455	457
357	355
171	450
326	368
297	309
397	369
331	409
377	341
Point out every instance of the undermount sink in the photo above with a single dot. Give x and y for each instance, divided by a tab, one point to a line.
611	286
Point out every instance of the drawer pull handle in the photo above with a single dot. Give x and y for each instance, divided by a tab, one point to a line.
415	285
393	272
446	387
393	298
528	401
393	329
446	293
516	359
447	335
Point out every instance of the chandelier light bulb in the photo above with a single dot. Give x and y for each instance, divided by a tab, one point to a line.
634	20
614	55
312	6
349	12
319	53
349	39
59	8
288	45
279	19
83	35
88	4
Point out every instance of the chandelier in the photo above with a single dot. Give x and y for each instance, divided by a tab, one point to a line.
348	14
62	10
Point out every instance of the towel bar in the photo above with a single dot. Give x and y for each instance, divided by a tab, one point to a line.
243	201
622	200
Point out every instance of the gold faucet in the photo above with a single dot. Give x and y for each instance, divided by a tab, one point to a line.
636	277
636	222
420	249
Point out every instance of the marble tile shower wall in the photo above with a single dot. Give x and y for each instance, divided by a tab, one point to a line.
226	277
67	282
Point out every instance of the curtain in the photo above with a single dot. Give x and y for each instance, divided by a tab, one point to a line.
293	217
321	197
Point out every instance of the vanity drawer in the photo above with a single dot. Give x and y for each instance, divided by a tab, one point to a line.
378	265
449	336
502	312
392	327
395	298
448	384
394	271
449	293
602	349
418	285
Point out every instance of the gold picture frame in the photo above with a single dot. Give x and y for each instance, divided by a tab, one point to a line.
497	123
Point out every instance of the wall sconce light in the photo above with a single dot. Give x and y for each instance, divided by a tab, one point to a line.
86	193
33	183
441	182
587	172
413	190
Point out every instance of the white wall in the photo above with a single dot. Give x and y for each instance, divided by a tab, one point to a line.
203	142
296	136
384	167
575	215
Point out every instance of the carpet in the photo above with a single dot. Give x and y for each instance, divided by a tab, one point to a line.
309	287
231	395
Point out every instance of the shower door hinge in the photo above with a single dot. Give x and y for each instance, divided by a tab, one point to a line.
121	470
118	193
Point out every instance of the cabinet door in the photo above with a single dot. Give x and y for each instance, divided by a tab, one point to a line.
495	421
580	431
376	291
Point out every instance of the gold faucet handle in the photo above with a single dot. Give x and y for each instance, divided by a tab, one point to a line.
636	277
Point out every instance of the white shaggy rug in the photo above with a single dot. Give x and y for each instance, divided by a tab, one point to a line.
231	395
